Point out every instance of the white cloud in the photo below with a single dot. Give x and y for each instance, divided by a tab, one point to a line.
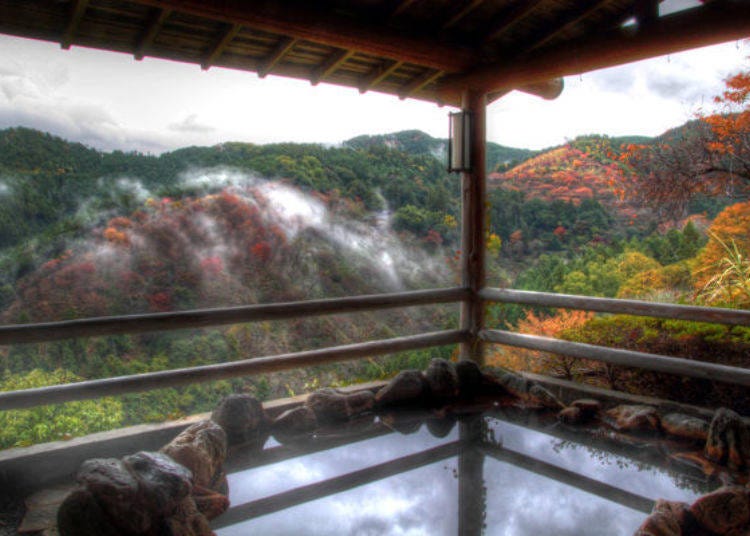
110	101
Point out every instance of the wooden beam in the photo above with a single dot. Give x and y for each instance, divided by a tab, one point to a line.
681	31
402	6
56	394
624	358
156	21
510	18
418	83
567	22
468	7
732	317
330	65
201	318
285	45
311	22
646	12
78	8
380	74
221	44
473	211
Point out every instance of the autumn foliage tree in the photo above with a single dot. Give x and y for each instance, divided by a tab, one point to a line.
710	156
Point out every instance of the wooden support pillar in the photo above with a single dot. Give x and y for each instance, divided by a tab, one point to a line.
473	197
472	499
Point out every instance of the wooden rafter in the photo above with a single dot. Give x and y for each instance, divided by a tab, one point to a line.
418	83
76	14
380	74
501	25
646	11
281	50
221	44
330	65
156	21
310	22
681	31
468	7
402	6
568	22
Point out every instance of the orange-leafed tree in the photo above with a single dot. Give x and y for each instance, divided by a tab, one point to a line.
710	156
722	273
544	362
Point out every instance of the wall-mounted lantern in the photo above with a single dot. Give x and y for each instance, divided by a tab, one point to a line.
459	141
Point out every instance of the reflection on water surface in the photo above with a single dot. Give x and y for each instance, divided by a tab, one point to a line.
490	474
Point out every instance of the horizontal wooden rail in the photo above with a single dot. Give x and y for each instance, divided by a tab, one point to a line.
116	325
170	378
569	478
318	490
625	358
609	305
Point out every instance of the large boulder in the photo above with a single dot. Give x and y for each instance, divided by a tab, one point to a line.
331	405
243	419
634	418
162	482
294	423
500	381
685	426
408	388
202	448
117	491
442	380
723	510
142	494
668	518
728	441
81	515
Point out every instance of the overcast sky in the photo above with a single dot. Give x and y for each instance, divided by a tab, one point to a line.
110	101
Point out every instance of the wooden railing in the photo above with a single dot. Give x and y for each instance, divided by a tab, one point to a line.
14	334
51	331
629	358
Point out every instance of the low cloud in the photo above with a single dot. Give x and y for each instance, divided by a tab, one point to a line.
191	125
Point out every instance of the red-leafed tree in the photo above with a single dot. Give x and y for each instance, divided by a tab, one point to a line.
710	156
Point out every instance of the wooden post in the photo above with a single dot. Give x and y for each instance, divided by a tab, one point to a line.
472	499
473	196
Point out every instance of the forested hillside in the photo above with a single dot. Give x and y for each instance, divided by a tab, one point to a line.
86	233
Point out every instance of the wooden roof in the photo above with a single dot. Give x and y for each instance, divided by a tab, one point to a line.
425	49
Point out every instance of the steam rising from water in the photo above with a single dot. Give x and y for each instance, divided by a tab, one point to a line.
371	244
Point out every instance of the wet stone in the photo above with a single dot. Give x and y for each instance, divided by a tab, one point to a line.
163	483
589	406
408	388
331	405
571	415
685	426
540	395
116	490
242	418
728	441
442	380
500	381
668	518
469	378
209	503
634	418
81	515
186	520
723	510
440	427
202	448
293	422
